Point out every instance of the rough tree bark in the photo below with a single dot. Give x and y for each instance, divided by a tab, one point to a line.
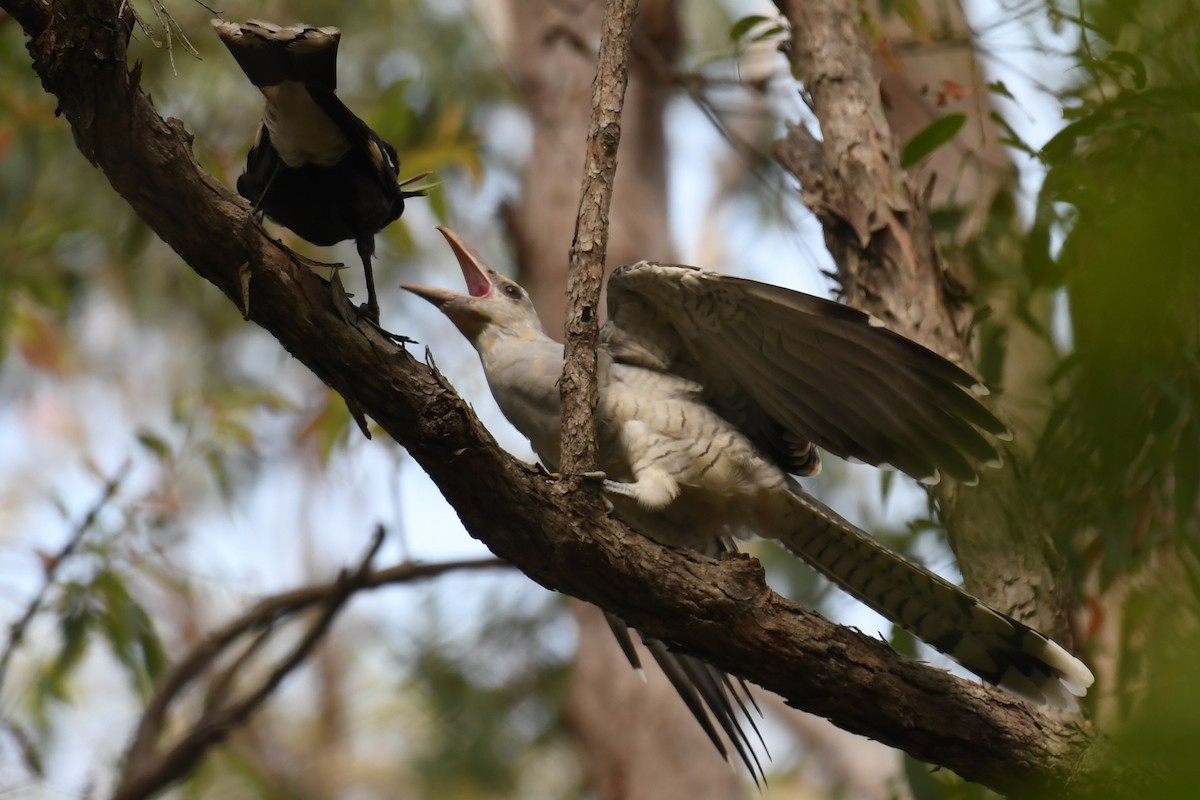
922	79
877	226
721	611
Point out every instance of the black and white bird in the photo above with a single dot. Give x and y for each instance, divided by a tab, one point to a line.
713	392
315	167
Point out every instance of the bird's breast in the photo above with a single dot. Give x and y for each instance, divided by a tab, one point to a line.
524	382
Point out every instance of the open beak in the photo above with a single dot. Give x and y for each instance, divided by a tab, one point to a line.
462	309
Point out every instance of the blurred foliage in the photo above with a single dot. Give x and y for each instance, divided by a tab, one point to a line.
108	342
1114	239
497	699
89	297
87	594
935	135
1105	279
101	607
1121	452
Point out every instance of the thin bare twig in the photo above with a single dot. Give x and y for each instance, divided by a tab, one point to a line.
578	386
150	768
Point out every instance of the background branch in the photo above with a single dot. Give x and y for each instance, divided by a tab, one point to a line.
150	767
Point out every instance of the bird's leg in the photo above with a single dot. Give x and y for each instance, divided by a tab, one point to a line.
257	207
595	475
653	486
366	249
370	313
653	489
554	475
602	477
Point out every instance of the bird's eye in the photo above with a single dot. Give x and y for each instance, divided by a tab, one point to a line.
513	291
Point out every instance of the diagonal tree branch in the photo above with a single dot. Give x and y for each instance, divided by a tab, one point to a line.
721	611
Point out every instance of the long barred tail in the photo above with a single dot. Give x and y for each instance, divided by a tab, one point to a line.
989	643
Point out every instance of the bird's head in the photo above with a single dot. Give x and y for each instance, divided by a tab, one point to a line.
493	306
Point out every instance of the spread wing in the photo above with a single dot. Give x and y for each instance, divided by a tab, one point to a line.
791	369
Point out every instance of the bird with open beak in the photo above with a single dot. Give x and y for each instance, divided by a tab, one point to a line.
714	391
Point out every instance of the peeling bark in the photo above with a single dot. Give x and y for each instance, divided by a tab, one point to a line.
877	227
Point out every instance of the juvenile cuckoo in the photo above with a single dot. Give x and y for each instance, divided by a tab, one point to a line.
714	391
315	167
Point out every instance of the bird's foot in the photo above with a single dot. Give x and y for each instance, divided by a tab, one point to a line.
653	489
257	219
369	313
600	476
395	338
315	264
620	488
592	476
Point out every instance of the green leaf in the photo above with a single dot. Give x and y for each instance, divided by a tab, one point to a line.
129	630
935	134
1063	143
1011	139
154	443
1133	64
76	618
904	642
31	754
999	89
766	33
922	524
887	479
215	459
743	26
913	14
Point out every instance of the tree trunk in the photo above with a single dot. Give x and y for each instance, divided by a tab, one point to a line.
878	229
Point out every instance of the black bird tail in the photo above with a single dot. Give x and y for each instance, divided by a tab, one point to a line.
715	699
270	54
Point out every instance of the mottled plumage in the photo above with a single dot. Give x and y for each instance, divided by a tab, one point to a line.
712	390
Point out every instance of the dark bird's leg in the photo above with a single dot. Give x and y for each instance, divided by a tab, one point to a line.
258	210
366	249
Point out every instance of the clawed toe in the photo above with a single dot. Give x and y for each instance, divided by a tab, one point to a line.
396	338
